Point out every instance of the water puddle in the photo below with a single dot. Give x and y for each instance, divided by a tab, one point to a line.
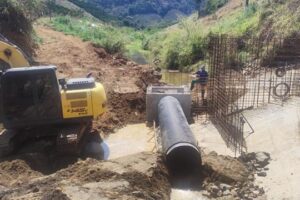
176	78
130	140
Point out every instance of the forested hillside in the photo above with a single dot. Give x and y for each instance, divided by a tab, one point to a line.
139	13
181	46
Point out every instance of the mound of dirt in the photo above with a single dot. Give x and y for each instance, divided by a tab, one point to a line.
233	178
141	176
125	81
225	168
128	101
16	172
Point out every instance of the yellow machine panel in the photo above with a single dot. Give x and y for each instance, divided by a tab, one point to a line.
99	100
84	102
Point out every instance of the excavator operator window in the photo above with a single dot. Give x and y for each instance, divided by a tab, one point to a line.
48	99
19	98
31	97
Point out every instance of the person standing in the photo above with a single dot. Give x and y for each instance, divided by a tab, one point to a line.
201	79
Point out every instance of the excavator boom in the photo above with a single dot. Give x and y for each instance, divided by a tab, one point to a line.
12	55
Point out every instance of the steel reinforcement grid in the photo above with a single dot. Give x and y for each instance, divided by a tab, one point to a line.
246	73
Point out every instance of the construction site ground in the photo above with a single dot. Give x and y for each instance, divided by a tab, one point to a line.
133	168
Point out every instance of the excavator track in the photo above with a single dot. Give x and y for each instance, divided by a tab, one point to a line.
69	138
6	143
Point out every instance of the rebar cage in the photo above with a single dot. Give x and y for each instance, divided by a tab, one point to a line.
247	73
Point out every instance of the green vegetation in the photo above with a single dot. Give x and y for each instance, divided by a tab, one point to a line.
186	45
137	13
95	10
182	47
32	9
54	8
239	23
112	38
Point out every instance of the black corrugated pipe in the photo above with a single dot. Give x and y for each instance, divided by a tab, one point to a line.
178	142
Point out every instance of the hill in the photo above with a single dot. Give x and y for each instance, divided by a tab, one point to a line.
138	13
184	45
181	46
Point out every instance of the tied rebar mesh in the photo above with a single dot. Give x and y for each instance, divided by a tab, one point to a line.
247	73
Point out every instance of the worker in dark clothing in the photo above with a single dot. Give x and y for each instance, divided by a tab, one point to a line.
202	79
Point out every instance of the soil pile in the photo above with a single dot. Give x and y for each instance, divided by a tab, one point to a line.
233	178
125	81
142	176
15	172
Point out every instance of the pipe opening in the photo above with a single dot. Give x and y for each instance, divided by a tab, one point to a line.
183	159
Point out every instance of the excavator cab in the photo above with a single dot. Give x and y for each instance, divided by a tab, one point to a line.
30	96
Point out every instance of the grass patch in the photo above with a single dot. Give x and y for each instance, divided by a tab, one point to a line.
185	46
114	39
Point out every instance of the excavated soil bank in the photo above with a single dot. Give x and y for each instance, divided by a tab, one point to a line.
141	176
138	176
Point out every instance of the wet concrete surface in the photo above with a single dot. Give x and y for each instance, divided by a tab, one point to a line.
130	140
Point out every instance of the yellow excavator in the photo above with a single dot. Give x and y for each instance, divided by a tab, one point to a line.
34	103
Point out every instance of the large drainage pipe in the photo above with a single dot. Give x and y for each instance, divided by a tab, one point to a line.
178	143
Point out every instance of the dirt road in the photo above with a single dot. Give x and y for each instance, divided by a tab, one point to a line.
125	81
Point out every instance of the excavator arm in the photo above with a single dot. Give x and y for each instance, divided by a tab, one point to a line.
12	55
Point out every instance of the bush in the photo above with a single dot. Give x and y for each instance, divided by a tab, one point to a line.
172	59
63	20
112	46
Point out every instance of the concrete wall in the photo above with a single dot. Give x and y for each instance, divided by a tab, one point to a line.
156	93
